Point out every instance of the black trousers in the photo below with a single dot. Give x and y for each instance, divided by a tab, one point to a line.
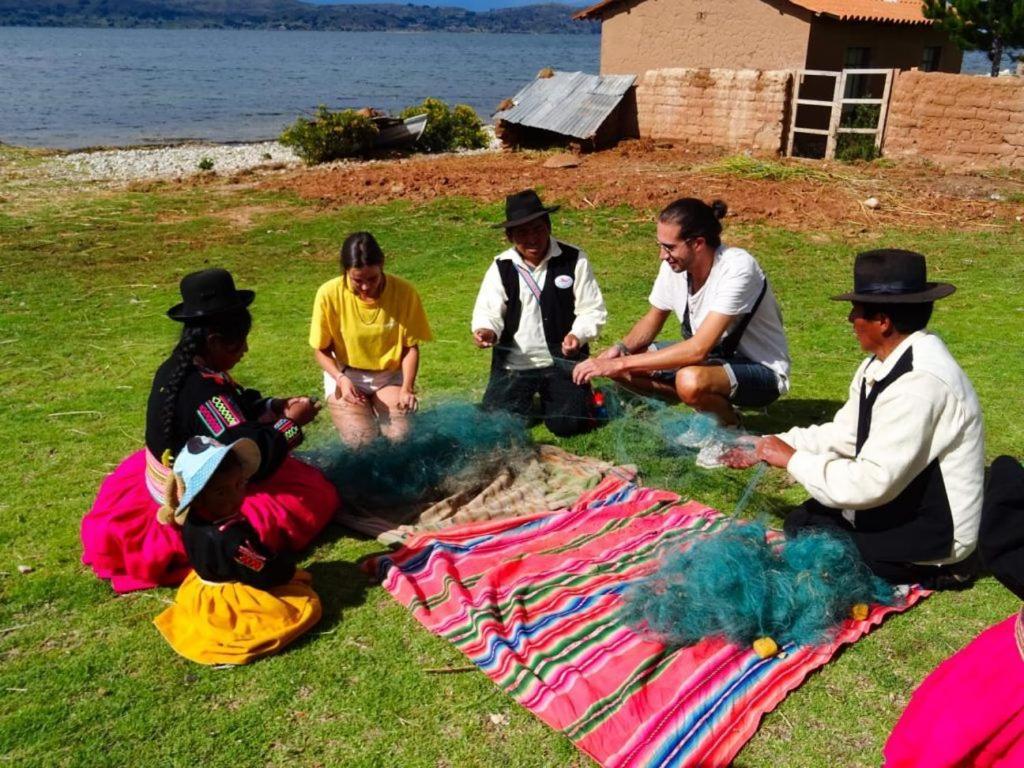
1001	536
566	405
812	514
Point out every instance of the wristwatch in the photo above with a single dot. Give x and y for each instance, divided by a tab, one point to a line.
621	346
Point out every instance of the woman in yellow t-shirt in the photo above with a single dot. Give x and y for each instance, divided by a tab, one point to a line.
366	330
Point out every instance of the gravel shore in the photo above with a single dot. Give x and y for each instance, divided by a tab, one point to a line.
183	160
167	162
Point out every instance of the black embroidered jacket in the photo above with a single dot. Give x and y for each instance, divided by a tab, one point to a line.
212	403
231	550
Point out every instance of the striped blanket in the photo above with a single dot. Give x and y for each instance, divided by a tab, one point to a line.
534	602
545	478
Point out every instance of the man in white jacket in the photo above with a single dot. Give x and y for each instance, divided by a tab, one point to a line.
900	468
538	309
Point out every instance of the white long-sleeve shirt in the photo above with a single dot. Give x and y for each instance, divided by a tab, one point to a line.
929	413
531	348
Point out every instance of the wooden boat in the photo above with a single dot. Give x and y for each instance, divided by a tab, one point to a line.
396	132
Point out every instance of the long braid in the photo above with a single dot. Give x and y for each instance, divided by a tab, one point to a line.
232	327
189	345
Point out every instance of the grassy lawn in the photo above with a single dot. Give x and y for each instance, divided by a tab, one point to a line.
85	679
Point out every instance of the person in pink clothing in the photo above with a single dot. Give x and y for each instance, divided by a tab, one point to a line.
970	710
287	502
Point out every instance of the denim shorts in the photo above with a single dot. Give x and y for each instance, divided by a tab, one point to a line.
754	385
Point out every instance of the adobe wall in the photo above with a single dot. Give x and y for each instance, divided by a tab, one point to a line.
739	34
738	109
958	120
892	46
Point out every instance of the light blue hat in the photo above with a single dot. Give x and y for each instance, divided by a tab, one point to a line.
199	459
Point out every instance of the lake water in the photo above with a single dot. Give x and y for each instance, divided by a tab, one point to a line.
80	87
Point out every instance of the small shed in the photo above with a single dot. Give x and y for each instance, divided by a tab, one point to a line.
642	35
593	111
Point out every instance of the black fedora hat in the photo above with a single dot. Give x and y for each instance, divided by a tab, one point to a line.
893	276
209	293
523	207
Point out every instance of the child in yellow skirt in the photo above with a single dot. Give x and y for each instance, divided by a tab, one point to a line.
241	602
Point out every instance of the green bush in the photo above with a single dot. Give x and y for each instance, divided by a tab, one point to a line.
448	129
330	135
858	146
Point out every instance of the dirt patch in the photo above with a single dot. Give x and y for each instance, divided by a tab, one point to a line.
242	217
805	196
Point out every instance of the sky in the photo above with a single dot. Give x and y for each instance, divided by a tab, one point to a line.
473	5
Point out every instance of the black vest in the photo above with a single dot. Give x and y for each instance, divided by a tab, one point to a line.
918	524
557	305
727	347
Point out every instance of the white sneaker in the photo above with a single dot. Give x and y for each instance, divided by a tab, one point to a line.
700	431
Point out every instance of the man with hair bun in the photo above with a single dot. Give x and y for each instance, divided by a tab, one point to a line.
733	351
900	467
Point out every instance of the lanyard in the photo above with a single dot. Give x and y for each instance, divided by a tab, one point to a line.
524	273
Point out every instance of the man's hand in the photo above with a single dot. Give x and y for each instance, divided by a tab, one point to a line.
588	369
301	410
774	451
407	402
484	338
350	393
610	354
570	345
743	454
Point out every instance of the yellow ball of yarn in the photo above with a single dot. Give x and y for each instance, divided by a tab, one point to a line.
859	612
765	647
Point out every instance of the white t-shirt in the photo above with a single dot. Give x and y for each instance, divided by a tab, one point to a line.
732	288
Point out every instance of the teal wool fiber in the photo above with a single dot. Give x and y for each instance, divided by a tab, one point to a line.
640	422
732	583
663	441
450	447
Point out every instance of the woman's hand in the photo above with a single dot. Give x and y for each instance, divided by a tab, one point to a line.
407	402
350	393
301	410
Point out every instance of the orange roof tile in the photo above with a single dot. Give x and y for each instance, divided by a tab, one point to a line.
891	11
899	11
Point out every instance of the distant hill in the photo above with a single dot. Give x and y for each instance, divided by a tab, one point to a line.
287	14
472	5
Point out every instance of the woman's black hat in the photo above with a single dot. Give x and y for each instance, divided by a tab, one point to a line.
523	207
209	293
892	276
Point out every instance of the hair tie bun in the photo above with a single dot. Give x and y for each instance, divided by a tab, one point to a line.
719	208
165	515
174	488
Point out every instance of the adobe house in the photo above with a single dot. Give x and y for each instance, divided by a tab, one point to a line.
640	35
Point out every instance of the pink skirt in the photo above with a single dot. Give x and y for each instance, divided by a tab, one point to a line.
969	711
122	540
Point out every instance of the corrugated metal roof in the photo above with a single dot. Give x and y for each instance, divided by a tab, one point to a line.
569	103
892	11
